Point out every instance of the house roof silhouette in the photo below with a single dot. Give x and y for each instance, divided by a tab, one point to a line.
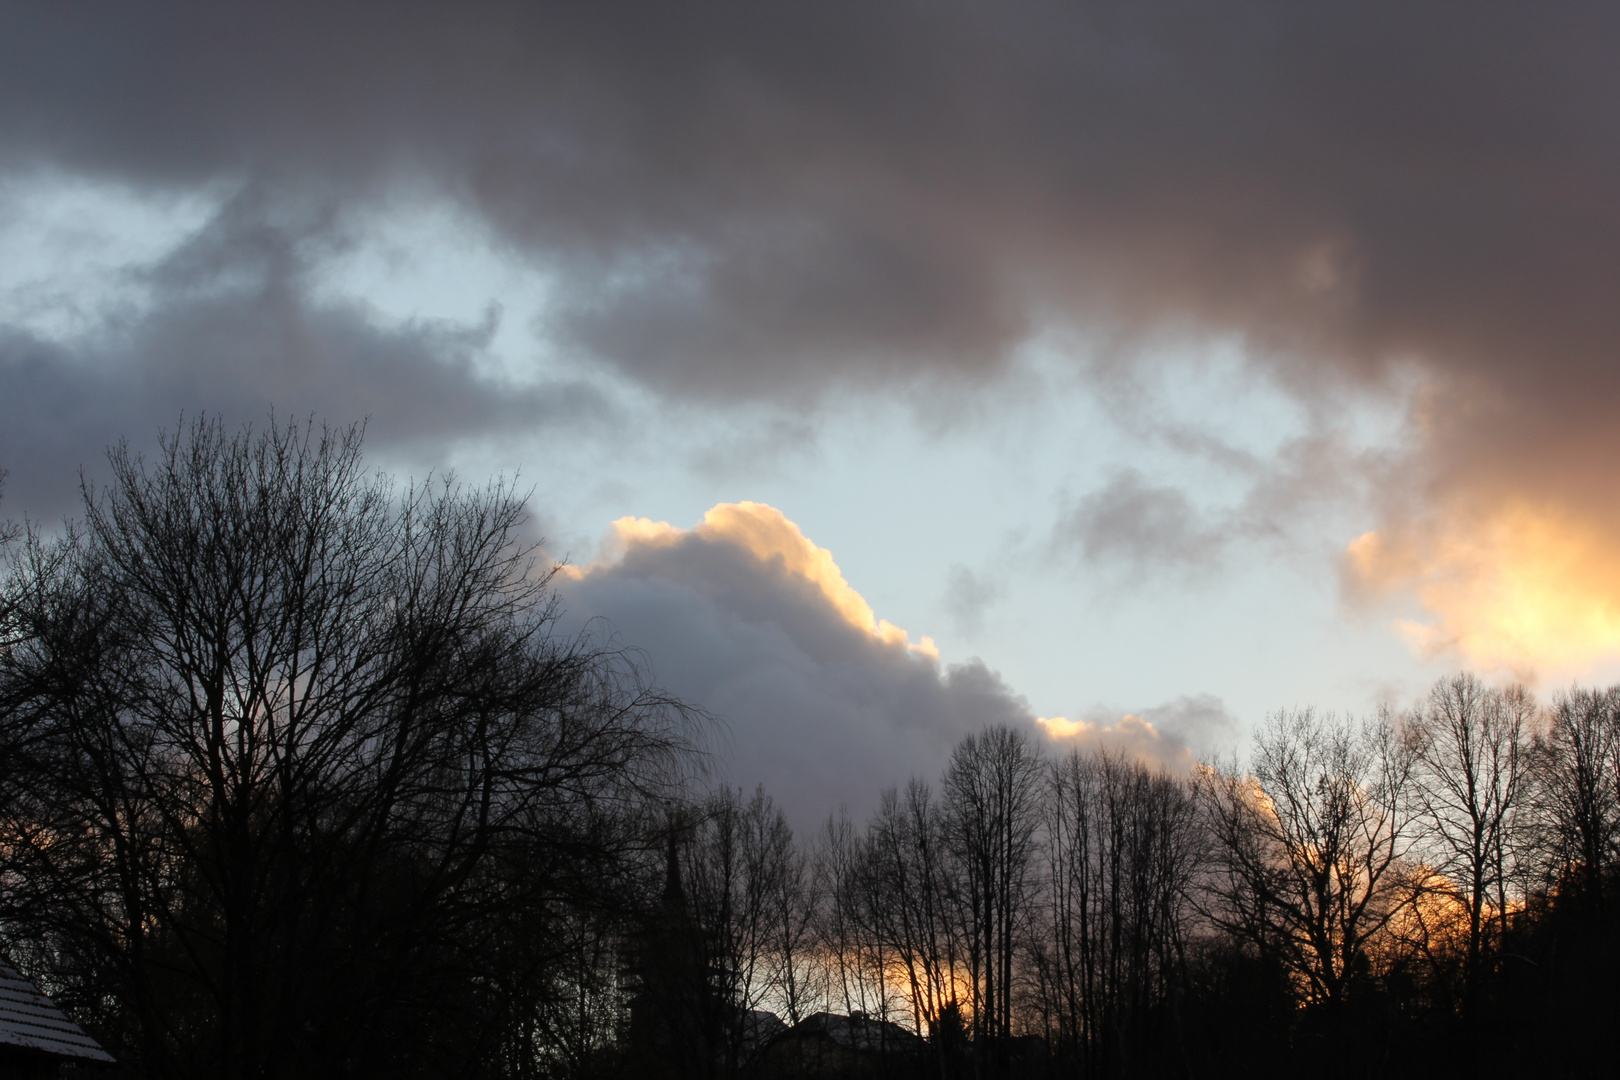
31	1022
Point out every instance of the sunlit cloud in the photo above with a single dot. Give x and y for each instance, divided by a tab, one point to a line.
1526	588
746	617
770	537
1130	734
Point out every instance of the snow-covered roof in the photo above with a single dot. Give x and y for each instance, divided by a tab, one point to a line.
30	1020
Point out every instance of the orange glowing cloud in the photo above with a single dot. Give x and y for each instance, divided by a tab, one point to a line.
767	534
1525	587
1130	734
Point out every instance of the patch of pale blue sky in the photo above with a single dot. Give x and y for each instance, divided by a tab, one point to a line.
903	487
75	247
417	259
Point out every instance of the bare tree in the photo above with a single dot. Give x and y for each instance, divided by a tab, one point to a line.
1308	850
1578	772
1472	764
1119	846
750	899
992	787
302	752
916	896
853	955
792	899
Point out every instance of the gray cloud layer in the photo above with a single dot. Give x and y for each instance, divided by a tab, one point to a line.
232	330
742	193
761	200
1144	525
820	709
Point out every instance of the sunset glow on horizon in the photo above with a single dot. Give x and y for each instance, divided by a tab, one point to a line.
1523	589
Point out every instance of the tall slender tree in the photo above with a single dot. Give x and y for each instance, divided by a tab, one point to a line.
1579	781
1470	781
916	883
1119	842
992	788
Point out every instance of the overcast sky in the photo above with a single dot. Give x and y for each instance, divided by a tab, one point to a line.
883	370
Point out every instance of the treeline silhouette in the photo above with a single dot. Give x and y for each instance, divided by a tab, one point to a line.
299	778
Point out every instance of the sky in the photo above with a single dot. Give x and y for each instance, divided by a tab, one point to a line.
882	370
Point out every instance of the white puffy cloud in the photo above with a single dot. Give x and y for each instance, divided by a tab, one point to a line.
822	700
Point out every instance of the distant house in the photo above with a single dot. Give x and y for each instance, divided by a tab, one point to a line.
756	1028
36	1039
830	1045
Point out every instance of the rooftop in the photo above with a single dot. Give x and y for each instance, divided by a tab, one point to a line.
31	1021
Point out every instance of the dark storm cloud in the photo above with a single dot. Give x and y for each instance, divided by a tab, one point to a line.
758	200
740	193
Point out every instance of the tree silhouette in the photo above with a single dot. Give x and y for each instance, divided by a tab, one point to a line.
289	748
